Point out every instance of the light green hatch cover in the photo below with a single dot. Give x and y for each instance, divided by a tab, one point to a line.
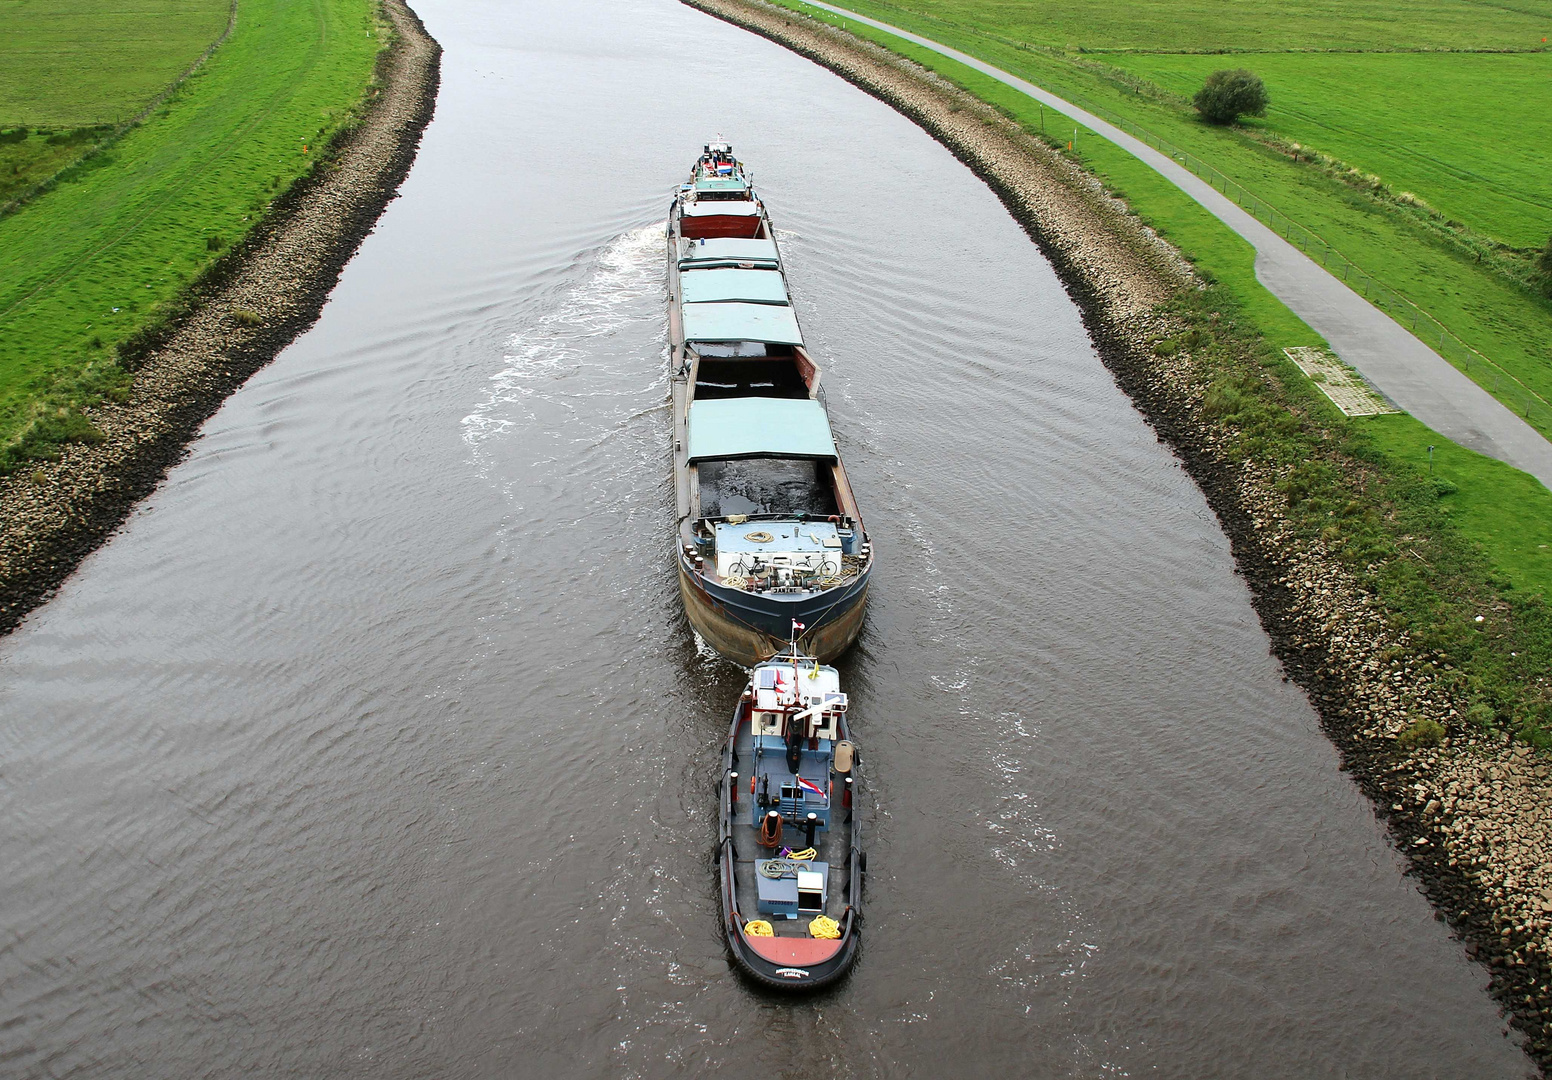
768	323
727	249
725	184
715	286
759	427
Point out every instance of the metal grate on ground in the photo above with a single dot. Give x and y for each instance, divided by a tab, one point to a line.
1345	387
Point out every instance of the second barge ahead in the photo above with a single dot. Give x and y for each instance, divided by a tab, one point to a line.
769	533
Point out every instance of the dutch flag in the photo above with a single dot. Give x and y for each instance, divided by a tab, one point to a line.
808	785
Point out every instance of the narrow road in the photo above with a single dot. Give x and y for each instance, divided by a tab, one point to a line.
1404	369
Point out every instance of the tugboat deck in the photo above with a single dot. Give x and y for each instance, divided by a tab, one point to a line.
832	845
790	857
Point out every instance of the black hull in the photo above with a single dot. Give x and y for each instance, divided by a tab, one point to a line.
764	974
786	977
748	628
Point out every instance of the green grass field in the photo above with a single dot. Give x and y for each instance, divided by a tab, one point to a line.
73	73
1245	26
1487	310
1470	132
29	157
80	63
103	254
1508	512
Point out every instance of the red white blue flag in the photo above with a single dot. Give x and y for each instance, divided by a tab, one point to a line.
808	785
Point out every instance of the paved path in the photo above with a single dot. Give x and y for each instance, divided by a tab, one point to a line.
1405	370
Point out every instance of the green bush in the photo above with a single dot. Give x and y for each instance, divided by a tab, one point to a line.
1423	732
44	437
1223	398
1228	95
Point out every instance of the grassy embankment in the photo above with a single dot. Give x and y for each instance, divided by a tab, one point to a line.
65	85
1439	549
111	248
1462	132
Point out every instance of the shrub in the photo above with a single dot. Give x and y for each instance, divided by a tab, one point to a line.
1223	399
1423	732
47	433
1481	714
1228	95
244	317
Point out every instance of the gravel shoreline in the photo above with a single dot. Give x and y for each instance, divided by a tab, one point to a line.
1471	816
255	302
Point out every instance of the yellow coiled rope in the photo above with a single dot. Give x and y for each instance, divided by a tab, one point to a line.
824	927
760	928
806	855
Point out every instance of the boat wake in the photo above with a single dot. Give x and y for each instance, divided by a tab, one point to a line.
619	285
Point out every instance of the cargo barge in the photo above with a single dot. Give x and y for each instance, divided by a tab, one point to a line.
768	530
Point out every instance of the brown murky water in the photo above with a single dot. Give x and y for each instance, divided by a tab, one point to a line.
376	745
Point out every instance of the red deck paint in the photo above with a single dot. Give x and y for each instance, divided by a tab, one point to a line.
794	951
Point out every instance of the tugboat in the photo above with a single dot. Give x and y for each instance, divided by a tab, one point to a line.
768	529
790	856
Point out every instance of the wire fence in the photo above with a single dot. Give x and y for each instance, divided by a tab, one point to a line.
1429	330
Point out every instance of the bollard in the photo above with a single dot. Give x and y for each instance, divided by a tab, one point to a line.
770	830
809	826
733	789
846	795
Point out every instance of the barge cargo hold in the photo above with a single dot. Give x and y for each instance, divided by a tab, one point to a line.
768	531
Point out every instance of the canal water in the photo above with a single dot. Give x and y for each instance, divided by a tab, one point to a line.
377	745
